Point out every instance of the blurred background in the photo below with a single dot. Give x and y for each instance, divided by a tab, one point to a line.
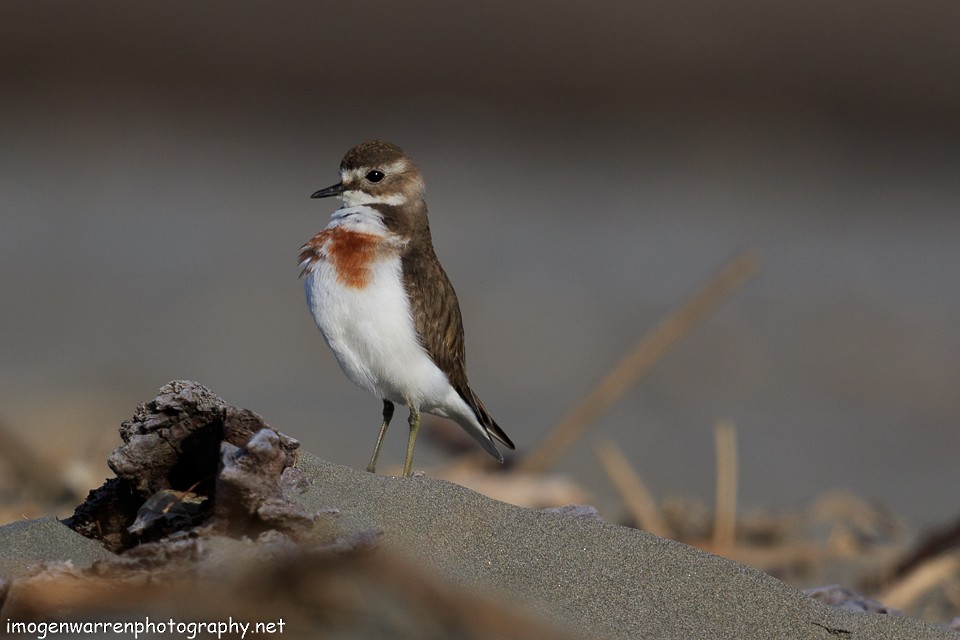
588	166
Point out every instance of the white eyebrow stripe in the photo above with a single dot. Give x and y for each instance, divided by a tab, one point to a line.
397	166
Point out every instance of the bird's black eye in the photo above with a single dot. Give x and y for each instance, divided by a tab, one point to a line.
375	176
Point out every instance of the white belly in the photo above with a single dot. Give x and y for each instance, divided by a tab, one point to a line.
370	331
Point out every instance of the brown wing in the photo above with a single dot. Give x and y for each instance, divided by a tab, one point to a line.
436	316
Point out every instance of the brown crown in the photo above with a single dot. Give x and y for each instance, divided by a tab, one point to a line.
372	154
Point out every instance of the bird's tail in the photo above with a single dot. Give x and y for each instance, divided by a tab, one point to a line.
490	428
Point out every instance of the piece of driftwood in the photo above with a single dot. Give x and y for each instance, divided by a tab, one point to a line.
189	458
173	441
249	497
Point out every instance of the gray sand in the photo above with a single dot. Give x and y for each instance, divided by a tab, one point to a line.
599	579
27	543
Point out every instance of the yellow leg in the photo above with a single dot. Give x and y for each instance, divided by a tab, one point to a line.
387	415
414	425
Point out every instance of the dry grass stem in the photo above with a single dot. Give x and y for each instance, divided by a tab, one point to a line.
634	492
927	576
643	356
43	478
725	517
